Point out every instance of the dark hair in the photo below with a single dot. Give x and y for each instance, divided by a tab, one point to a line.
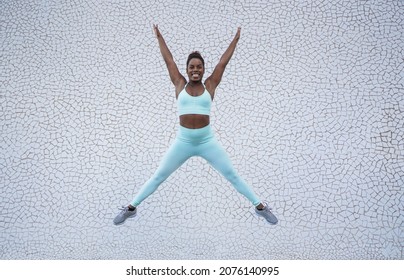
195	54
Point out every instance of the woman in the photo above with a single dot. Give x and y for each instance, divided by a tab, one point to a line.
195	136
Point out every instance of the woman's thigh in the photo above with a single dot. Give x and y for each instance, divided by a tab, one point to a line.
175	156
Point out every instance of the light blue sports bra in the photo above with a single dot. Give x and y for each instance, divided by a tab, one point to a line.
188	104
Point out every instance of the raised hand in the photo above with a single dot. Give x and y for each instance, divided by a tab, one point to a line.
156	30
238	33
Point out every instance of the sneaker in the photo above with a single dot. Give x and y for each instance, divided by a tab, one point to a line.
123	215
267	214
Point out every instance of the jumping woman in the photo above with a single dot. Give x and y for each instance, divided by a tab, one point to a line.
195	136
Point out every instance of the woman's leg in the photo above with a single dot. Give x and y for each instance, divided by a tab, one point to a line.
175	156
214	153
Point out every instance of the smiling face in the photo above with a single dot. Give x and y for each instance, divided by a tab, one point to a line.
195	70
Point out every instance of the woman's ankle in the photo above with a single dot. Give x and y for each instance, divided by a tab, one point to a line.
260	207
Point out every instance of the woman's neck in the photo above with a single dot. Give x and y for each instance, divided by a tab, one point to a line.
194	84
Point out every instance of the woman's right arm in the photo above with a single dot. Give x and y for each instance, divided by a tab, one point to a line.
176	78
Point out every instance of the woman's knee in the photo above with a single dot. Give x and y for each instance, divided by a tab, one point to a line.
159	178
231	175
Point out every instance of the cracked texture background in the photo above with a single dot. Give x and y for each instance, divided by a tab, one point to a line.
310	110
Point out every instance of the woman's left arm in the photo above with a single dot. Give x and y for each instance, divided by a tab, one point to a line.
213	81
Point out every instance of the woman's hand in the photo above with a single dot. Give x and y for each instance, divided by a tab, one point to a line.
238	33
156	30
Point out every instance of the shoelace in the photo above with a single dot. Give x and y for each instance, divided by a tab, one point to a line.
125	208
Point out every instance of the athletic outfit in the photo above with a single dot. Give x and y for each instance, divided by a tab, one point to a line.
194	142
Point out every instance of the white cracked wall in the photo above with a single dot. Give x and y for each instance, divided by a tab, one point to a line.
311	111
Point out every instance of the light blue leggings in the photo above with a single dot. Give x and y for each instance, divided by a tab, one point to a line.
195	142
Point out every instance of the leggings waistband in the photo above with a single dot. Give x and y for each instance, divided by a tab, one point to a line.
196	136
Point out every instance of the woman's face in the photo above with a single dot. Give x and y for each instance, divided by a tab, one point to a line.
195	70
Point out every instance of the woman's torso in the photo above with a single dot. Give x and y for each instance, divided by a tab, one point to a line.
201	97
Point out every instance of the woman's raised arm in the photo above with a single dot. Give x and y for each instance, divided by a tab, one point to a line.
213	81
176	78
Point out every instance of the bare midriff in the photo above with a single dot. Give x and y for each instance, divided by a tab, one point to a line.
194	121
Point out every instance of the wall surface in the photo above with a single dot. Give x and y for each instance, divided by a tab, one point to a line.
310	110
